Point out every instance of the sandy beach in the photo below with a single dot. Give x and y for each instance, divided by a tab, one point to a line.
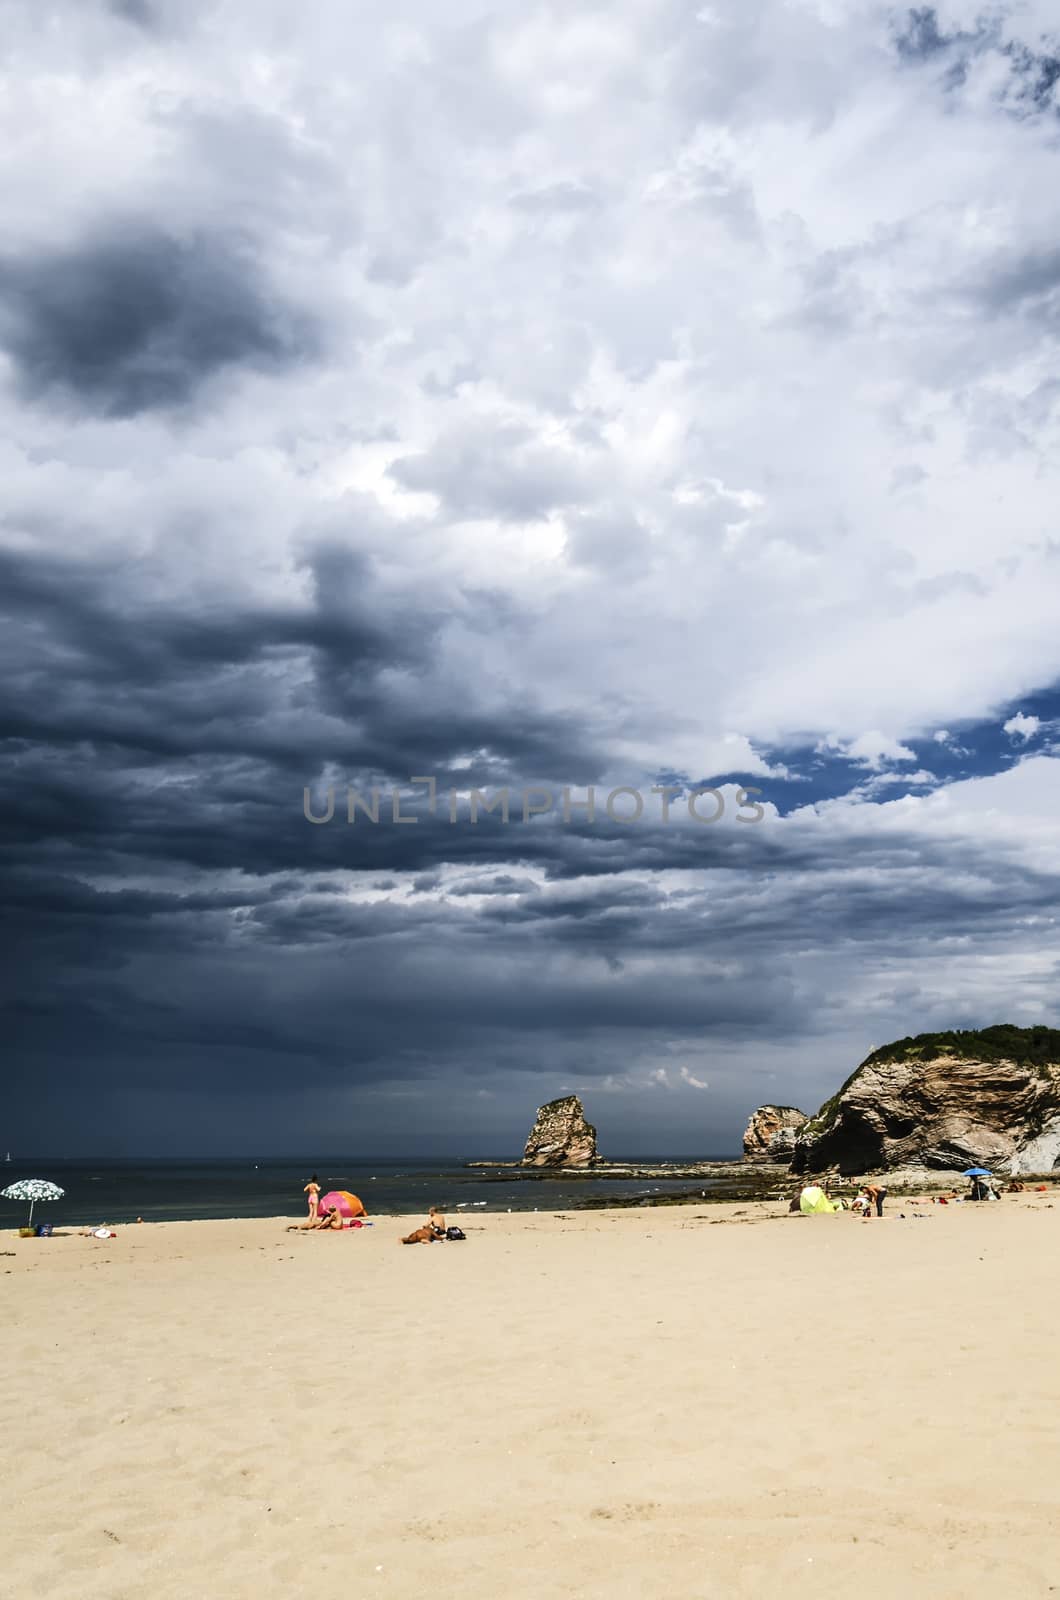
689	1402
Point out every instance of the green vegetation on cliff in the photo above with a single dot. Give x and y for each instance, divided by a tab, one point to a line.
1003	1042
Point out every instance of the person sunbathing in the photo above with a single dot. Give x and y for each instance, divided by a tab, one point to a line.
331	1218
433	1229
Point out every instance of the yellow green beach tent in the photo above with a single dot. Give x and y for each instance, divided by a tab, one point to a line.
813	1199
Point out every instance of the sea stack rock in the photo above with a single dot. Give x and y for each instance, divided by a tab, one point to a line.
561	1137
770	1134
989	1098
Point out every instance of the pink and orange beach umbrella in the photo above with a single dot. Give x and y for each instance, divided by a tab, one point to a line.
345	1203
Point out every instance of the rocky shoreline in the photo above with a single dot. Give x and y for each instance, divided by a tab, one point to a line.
728	1181
780	1183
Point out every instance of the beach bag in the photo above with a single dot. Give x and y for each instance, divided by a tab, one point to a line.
455	1233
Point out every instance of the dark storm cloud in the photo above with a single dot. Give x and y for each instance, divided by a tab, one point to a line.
88	658
269	978
240	958
135	319
183	738
229	986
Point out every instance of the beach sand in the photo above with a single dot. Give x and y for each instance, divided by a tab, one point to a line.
686	1402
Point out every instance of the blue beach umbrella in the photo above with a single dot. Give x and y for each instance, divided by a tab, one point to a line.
976	1172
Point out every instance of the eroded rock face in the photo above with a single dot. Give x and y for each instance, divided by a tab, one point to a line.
561	1137
946	1111
770	1134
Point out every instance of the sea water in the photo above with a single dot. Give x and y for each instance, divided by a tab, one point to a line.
167	1191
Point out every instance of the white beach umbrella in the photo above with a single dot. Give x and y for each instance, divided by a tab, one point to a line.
33	1189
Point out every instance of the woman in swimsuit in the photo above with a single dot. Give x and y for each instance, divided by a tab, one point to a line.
312	1189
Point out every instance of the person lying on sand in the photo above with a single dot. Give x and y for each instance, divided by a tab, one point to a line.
331	1218
433	1228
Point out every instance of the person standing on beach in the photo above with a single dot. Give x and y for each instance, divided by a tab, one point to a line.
312	1189
878	1193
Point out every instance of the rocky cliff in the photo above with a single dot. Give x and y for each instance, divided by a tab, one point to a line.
770	1134
561	1137
989	1098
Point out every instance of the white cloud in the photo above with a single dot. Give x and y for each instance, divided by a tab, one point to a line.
872	749
692	1081
922	779
1022	728
949	743
512	274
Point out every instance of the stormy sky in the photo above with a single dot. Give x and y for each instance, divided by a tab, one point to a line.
527	397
